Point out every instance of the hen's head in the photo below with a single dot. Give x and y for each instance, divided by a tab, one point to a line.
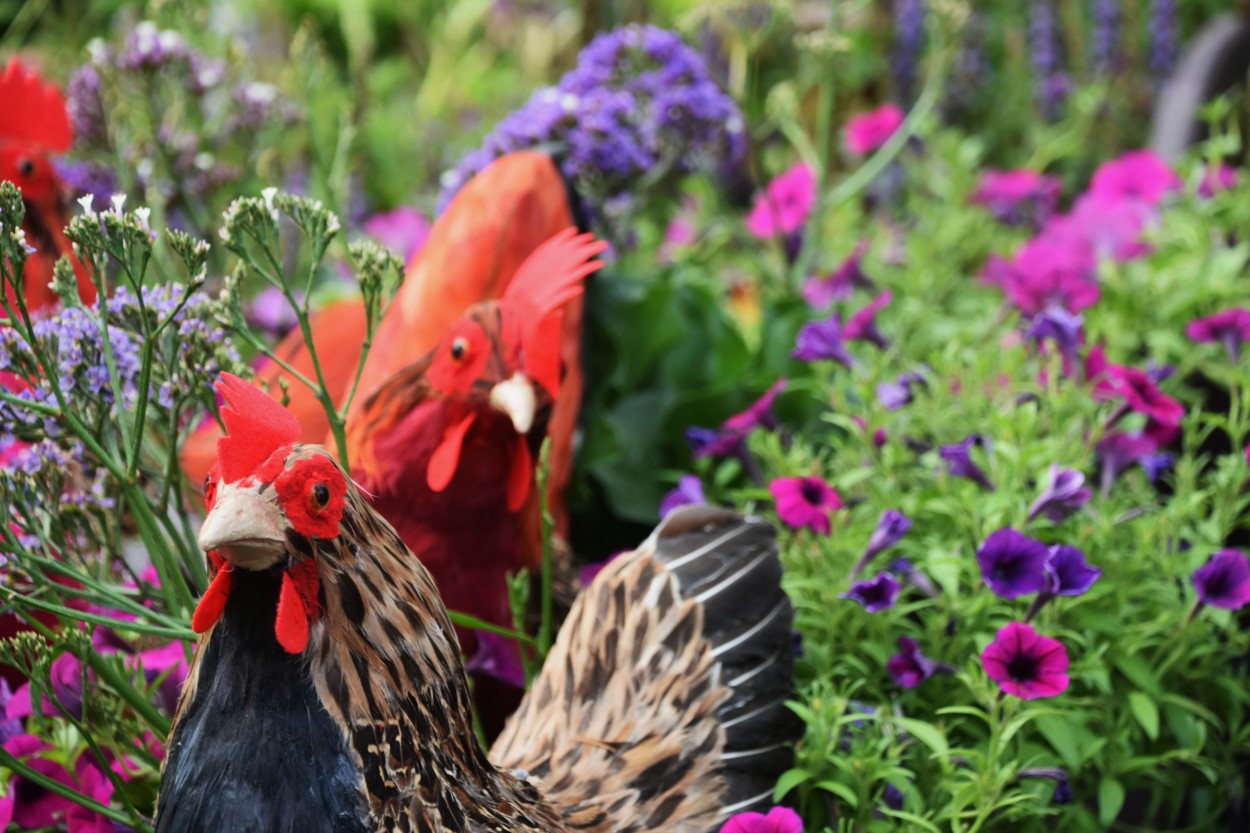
34	125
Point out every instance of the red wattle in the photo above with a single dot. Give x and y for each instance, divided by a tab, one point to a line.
213	602
291	626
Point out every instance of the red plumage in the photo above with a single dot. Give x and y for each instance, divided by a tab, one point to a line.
33	112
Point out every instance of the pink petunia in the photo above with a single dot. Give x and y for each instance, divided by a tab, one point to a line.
820	292
1047	273
805	502
1144	396
1018	196
1217	179
1026	664
863	324
34	806
868	131
777	820
1230	327
785	203
1136	175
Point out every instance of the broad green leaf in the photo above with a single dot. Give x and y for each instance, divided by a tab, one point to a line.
928	734
1140	673
1110	800
1146	712
790	779
1064	736
841	790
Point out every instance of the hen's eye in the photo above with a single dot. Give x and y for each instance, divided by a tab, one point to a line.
26	167
321	494
458	348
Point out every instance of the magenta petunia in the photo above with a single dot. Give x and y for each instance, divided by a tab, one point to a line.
1020	196
863	324
1230	327
730	439
868	131
821	292
1104	227
1026	664
776	820
1136	175
66	678
1217	179
498	657
1047	273
909	667
805	502
34	806
689	491
785	203
1224	581
1144	396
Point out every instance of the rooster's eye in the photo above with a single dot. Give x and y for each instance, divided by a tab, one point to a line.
321	494
26	167
458	348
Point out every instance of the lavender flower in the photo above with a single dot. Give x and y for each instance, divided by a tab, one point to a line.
1049	81
85	106
960	464
891	528
1164	38
1064	496
1156	465
909	30
876	594
1105	38
1013	564
150	48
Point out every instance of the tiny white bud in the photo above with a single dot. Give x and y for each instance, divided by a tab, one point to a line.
119	201
143	215
85	202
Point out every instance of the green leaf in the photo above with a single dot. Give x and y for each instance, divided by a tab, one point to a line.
1136	669
1110	800
1064	736
1146	712
928	734
841	791
790	779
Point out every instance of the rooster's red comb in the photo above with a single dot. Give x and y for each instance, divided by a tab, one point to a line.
256	427
32	110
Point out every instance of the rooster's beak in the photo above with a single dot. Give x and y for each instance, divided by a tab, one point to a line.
515	397
245	527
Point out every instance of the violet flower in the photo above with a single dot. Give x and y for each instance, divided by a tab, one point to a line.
1068	573
821	292
1050	83
730	439
1104	50
498	657
1164	38
66	688
805	502
874	595
909	30
784	206
894	395
863	324
821	340
1063	787
1117	451
1156	465
908	574
689	491
909	667
1013	564
891	528
1065	494
960	464
1026	664
1224	581
868	131
1019	197
1063	328
1230	327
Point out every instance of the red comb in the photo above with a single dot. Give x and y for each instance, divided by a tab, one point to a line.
33	111
552	275
256	427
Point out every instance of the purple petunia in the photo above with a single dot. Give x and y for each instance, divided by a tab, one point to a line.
1117	451
1065	494
876	594
821	292
730	439
1026	664
1230	327
805	502
1013	564
960	464
1063	328
1224	581
909	667
891	527
1144	396
1021	197
821	340
689	491
1068	573
863	324
894	395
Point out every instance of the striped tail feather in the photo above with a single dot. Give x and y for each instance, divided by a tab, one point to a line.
662	704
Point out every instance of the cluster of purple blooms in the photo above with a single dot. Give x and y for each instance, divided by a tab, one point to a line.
639	101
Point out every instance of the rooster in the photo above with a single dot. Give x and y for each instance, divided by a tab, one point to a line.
34	125
328	692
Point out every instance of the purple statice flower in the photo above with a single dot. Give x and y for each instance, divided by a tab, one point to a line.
1230	327
1164	38
866	132
1138	175
805	503
85	106
150	48
784	206
1117	451
1063	328
909	667
689	491
402	230
1013	564
959	463
257	104
1064	495
1224	581
777	820
86	178
1050	83
1104	40
1020	197
894	395
909	29
1156	465
1216	180
821	340
1063	787
863	324
638	101
821	292
1068	573
1026	664
874	595
891	527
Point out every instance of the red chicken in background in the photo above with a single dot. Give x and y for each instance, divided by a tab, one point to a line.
34	125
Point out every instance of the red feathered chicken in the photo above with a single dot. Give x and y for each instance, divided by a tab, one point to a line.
328	695
34	125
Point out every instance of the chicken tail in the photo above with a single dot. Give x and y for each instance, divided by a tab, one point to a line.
662	705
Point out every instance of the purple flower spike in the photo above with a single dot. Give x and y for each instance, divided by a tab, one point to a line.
1013	564
1063	497
876	594
821	292
891	528
909	668
689	491
1230	327
959	461
863	324
820	340
1068	573
1224	581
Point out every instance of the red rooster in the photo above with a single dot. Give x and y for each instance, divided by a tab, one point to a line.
34	125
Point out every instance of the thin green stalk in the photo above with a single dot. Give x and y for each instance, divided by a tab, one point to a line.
27	600
464	620
546	625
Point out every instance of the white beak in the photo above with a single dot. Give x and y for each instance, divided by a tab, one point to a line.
245	527
515	397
